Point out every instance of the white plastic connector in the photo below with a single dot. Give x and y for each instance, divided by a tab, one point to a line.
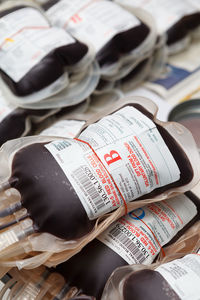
8	238
30	292
16	233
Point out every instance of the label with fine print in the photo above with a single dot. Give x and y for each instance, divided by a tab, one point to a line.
94	22
116	160
183	275
64	128
139	236
26	38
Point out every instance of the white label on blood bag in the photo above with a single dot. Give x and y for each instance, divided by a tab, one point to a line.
165	12
139	236
94	22
26	38
183	275
65	128
116	160
195	3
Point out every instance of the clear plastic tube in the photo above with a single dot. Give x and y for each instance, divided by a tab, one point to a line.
57	250
7	287
16	233
10	209
15	290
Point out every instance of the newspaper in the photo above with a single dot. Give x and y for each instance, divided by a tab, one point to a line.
182	79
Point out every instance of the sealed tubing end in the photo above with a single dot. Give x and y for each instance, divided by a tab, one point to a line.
10	210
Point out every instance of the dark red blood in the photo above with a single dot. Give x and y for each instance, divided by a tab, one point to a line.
48	70
148	284
51	200
14	124
122	43
90	269
182	28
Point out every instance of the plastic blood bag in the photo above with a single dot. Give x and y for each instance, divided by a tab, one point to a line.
111	30
178	279
34	55
18	122
136	238
170	278
178	21
181	31
65	185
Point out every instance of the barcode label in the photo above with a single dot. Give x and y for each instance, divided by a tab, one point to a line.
135	236
128	244
82	179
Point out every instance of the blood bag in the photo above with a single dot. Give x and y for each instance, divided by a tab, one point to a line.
120	161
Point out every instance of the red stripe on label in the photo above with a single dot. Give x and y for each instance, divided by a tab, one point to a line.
125	205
